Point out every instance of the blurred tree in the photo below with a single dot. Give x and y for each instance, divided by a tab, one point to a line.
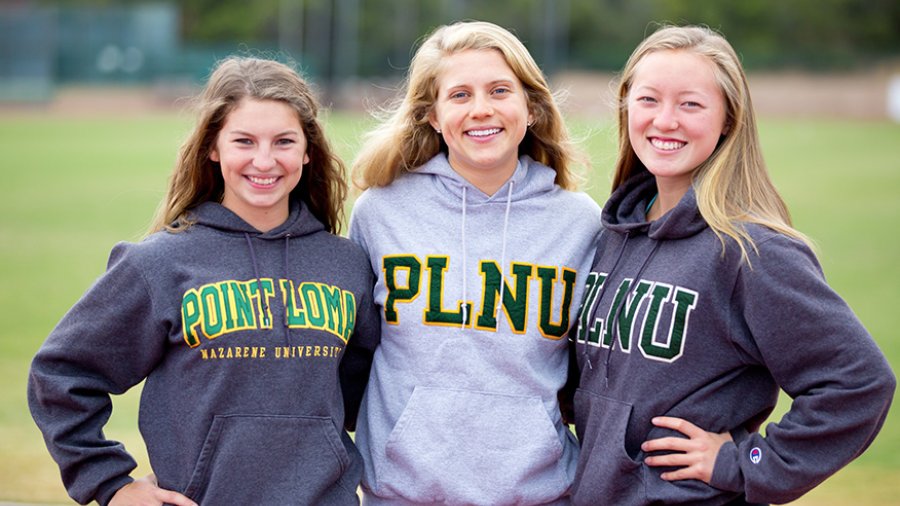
377	37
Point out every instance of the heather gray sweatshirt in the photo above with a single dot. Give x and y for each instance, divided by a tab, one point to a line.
671	326
240	336
462	401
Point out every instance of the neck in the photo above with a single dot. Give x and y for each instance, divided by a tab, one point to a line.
667	198
487	181
264	220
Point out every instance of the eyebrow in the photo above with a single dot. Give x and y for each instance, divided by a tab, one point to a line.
647	87
248	134
490	83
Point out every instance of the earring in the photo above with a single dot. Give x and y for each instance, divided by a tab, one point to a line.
438	130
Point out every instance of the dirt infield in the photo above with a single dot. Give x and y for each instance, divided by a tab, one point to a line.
845	96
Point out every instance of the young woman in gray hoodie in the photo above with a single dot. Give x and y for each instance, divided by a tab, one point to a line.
480	248
240	311
703	302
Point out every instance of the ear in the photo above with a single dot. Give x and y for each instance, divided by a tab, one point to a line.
305	158
432	119
214	155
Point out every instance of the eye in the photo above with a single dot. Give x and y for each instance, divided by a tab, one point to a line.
244	141
645	99
692	105
286	142
501	91
458	95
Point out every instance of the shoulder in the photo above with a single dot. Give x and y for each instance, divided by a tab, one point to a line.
779	260
345	249
584	201
155	246
575	204
376	196
166	242
772	245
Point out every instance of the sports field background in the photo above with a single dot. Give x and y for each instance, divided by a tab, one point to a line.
77	181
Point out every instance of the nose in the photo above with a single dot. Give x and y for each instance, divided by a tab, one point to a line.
481	106
263	159
666	119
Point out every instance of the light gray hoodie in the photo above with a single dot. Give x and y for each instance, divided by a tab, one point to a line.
468	413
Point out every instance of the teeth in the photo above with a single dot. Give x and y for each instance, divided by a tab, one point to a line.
262	180
667	145
484	133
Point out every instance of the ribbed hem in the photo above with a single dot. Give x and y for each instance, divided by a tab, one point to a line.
371	500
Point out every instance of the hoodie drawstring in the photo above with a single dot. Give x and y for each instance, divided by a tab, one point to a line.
465	270
609	276
287	244
614	321
503	248
465	307
259	287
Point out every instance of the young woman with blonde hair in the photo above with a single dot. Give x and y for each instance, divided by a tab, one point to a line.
703	302
240	311
480	249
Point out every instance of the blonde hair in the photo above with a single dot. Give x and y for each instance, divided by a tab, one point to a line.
404	139
732	186
197	179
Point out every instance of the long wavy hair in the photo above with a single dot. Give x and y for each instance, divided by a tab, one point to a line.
404	139
732	186
197	179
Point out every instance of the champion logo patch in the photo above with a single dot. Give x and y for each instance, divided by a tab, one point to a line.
755	455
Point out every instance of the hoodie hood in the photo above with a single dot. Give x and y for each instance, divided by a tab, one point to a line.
300	221
528	180
626	211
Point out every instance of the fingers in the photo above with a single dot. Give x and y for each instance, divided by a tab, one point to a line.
685	473
677	444
695	455
670	460
145	492
171	497
679	424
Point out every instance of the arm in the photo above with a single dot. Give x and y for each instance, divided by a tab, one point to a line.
107	343
821	355
357	360
566	395
358	355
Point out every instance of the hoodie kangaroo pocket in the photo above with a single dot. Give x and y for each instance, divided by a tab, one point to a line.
606	473
470	447
272	459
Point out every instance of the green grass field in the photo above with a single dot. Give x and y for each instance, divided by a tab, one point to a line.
73	187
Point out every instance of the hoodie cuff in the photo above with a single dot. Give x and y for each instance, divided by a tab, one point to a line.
106	491
727	473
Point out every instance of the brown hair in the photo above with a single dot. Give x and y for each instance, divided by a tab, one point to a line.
197	179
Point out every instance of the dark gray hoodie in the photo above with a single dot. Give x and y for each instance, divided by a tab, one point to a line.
241	403
671	326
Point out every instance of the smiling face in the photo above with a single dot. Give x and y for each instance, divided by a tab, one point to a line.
261	149
482	112
676	115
